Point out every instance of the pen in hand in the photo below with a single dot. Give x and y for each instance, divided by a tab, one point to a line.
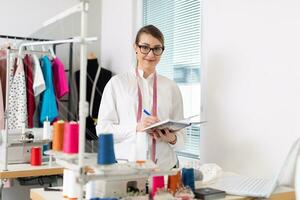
146	112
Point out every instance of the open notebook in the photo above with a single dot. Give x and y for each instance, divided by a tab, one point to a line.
252	186
172	125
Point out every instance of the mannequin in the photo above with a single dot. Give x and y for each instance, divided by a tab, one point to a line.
97	78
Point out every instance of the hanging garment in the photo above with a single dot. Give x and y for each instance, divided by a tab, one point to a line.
29	89
59	77
2	121
97	78
3	68
48	106
17	104
38	81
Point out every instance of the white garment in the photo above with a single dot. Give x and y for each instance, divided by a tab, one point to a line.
118	114
38	78
17	102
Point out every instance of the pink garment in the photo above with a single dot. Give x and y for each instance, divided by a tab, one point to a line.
60	81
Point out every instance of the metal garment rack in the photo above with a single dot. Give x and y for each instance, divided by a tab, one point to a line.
23	38
7	89
30	39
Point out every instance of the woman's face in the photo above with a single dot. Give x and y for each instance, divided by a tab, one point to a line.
148	61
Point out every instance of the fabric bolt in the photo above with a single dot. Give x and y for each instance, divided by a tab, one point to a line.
48	106
119	107
17	109
59	77
29	89
38	80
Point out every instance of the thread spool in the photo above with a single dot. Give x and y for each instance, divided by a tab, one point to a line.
71	136
157	182
70	189
46	130
58	135
66	180
174	183
106	153
73	187
141	146
91	188
36	156
188	178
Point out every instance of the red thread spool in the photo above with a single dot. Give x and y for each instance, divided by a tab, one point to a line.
36	156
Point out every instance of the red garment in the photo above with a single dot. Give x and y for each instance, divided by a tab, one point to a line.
29	89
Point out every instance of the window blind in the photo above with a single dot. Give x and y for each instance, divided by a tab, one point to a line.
180	22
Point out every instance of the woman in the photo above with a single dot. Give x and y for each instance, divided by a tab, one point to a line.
127	95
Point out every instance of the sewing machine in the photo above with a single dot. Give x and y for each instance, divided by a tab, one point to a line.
19	144
120	188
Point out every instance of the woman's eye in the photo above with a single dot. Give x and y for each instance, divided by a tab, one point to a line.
145	48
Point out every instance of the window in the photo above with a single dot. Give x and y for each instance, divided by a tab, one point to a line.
180	22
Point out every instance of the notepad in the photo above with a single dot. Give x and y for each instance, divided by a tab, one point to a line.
172	125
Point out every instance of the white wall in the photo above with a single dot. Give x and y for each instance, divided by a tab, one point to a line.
120	22
21	18
251	57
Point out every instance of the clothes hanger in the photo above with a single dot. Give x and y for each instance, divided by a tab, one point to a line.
52	52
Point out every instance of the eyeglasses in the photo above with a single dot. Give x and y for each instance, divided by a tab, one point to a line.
156	50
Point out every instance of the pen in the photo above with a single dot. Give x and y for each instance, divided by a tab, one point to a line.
146	112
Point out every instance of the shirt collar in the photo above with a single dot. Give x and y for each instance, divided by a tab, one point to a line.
141	73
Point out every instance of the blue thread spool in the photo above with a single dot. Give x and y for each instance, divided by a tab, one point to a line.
188	178
106	153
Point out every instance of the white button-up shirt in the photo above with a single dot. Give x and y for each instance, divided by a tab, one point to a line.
118	114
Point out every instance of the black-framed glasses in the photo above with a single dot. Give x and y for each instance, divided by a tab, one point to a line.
156	50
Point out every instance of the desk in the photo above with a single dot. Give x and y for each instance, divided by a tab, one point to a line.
26	170
281	193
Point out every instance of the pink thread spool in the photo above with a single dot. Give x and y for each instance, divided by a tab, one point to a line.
71	137
157	183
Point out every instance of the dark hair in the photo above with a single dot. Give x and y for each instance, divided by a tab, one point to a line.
152	30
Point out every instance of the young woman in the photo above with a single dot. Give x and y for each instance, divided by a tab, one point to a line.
127	95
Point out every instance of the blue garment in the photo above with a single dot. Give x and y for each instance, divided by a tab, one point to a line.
48	105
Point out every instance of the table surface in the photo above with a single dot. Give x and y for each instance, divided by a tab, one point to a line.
26	170
281	193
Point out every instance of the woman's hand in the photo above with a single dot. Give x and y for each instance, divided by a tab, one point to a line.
145	122
166	135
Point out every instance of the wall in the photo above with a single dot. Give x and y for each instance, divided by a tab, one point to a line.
120	23
21	18
250	56
70	27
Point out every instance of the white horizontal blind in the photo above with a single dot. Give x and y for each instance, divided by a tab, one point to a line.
180	22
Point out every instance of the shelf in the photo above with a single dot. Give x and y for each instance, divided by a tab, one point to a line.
117	171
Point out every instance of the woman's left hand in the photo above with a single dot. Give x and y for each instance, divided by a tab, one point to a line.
167	136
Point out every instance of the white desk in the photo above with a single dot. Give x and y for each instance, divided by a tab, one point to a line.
282	193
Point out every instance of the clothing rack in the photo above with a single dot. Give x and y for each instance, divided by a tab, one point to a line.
30	39
7	89
23	38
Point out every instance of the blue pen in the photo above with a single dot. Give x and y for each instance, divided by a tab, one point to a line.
146	112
